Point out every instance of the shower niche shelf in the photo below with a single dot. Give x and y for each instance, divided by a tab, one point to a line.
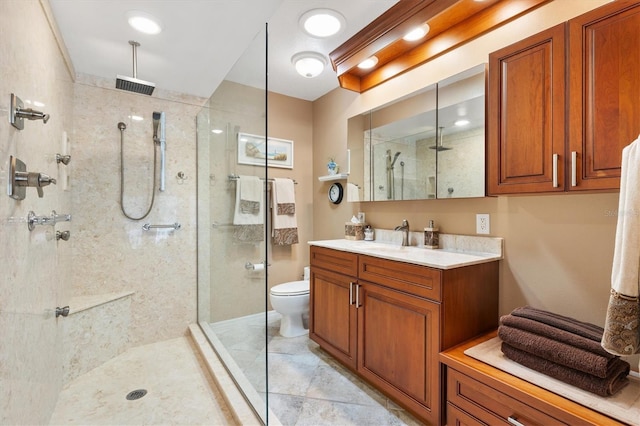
337	176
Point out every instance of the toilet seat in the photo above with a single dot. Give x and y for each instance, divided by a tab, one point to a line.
293	288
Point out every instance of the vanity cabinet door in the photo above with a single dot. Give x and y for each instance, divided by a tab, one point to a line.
526	119
604	93
398	344
332	314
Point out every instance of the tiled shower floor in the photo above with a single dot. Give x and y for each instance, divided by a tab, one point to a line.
180	390
306	386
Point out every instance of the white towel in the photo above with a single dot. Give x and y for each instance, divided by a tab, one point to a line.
285	226
626	255
622	327
243	217
353	193
251	189
285	196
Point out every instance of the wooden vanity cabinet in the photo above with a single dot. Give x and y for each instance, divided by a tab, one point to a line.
479	394
563	103
405	314
332	308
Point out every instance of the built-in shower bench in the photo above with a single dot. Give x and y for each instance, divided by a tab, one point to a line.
96	330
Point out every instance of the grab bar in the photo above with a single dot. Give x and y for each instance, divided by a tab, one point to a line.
148	226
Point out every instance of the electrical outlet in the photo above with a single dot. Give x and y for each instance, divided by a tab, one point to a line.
483	224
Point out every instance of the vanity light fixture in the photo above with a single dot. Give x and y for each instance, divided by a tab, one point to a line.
143	22
368	63
417	33
309	64
322	22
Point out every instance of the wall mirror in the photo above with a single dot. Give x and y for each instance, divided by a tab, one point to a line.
429	144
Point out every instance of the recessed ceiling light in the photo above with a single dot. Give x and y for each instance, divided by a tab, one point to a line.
368	63
309	64
461	122
143	22
136	118
217	131
417	33
322	22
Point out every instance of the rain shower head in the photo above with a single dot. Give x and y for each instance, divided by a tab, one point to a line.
439	146
133	84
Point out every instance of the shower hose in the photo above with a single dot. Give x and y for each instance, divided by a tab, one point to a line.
122	128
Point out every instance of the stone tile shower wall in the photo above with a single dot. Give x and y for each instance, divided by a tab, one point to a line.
112	253
35	268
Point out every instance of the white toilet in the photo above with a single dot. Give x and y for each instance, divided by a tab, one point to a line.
291	300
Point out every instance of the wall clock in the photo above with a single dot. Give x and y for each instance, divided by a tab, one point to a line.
335	193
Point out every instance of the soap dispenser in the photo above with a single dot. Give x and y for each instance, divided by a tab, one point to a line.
431	236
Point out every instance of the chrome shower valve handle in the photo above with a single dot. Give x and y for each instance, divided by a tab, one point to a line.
20	178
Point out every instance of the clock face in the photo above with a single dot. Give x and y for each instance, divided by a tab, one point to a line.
335	193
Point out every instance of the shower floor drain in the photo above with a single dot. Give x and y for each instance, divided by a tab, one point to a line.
136	394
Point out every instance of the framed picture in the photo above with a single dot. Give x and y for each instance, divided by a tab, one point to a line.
253	150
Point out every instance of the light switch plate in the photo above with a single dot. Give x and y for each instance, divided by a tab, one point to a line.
483	223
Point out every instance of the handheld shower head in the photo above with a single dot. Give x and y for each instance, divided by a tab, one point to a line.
156	125
395	157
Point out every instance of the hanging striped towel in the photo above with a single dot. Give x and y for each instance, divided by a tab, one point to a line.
285	226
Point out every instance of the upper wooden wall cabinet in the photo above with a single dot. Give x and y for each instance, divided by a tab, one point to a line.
563	103
452	23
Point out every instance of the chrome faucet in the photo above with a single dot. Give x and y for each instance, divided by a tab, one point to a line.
405	232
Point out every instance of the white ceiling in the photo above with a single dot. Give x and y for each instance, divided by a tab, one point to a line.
202	40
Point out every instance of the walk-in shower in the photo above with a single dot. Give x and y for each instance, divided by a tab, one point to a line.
158	141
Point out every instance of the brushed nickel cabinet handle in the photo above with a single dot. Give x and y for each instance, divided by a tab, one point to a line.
555	170
574	169
514	421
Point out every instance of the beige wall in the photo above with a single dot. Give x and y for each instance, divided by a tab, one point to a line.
558	248
35	268
291	118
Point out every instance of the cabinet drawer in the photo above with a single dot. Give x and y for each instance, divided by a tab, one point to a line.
489	405
414	279
338	261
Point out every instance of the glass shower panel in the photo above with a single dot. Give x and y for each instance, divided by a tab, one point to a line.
232	225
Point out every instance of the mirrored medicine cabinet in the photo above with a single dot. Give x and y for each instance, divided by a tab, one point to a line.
429	144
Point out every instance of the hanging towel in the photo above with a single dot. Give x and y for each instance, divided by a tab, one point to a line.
286	196
353	193
285	226
251	188
622	325
249	221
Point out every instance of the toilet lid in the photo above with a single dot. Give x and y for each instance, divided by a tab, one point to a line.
293	288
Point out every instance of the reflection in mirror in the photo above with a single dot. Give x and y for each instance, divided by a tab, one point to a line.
460	143
429	144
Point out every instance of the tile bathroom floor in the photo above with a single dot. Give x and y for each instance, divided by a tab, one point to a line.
179	390
306	385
